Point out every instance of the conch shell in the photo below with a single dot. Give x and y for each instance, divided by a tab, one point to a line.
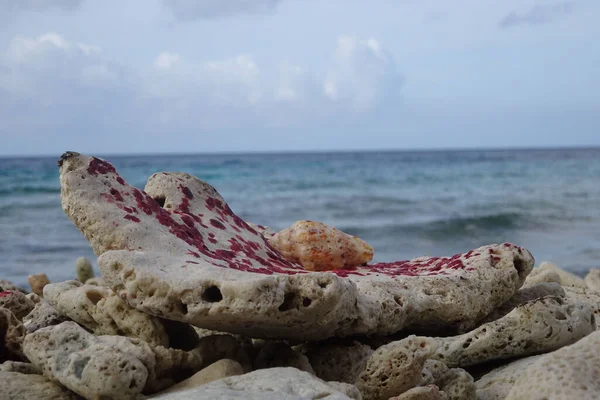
320	247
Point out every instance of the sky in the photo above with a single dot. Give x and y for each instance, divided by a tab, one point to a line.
194	76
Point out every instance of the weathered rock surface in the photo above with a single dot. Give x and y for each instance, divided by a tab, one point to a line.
430	392
20	367
12	333
100	310
496	384
319	247
42	315
549	272
341	362
568	373
215	347
455	383
37	283
267	384
81	362
538	326
395	368
17	386
279	354
177	250
587	297
592	280
17	302
96	281
84	269
215	371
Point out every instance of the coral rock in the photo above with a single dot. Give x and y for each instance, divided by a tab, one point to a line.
17	386
456	383
84	269
549	272
279	354
177	251
264	384
217	370
8	285
100	310
66	353
541	325
496	384
42	315
20	367
567	373
341	362
430	392
17	302
12	333
395	367
318	247
592	280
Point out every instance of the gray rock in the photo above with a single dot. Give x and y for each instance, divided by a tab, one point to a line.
496	384
455	383
215	371
17	386
42	315
342	361
12	333
17	302
20	367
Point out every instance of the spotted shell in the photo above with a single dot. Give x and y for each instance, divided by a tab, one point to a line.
319	247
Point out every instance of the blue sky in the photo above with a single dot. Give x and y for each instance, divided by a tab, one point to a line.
146	76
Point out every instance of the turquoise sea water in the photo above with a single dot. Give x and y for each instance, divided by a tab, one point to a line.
405	204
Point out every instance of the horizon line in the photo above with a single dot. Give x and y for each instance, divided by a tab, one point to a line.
319	151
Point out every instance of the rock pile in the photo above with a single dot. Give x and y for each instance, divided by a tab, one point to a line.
196	303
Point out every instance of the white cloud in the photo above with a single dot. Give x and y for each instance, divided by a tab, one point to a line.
362	73
194	9
39	5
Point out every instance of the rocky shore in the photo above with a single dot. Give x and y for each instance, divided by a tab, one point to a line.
195	303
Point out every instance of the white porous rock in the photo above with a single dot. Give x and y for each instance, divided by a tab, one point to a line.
83	363
592	280
264	384
587	297
84	269
538	326
549	272
215	347
341	362
455	383
176	250
215	371
319	247
571	372
18	386
42	315
496	384
100	310
525	295
20	367
395	367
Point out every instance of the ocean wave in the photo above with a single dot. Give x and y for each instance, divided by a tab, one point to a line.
15	190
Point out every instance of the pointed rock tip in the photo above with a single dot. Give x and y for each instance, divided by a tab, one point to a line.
65	156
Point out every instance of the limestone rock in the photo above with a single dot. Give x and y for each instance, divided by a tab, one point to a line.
279	354
263	230
568	373
395	367
100	310
8	285
96	281
217	370
20	367
84	269
549	272
37	283
33	297
541	325
319	247
81	362
176	250
455	383
42	315
264	384
341	362
496	384
17	386
12	333
592	280
587	297
346	388
430	392
16	302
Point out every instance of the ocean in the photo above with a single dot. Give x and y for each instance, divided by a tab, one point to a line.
405	204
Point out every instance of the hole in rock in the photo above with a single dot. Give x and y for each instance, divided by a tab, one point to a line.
306	301
398	300
289	301
160	200
94	296
519	265
212	294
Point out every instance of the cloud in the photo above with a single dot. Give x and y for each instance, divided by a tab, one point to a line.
39	5
363	73
539	14
187	10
